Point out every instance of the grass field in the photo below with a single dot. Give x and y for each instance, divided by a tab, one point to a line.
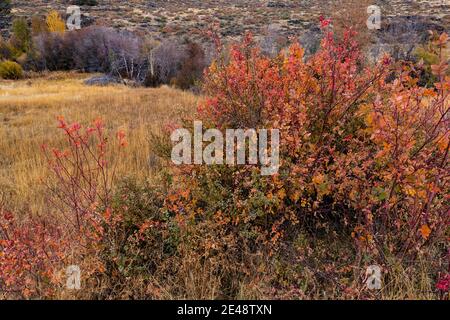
28	112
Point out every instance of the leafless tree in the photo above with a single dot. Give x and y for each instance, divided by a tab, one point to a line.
126	61
167	58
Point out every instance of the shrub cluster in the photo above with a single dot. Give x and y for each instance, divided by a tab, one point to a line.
121	54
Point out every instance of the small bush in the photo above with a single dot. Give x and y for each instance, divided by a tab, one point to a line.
55	23
10	70
355	169
21	37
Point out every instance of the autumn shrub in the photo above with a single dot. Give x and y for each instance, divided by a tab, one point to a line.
10	70
55	23
120	54
92	49
141	247
37	250
175	62
347	14
165	61
363	157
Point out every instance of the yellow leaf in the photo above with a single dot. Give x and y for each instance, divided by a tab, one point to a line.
369	119
410	191
55	23
304	203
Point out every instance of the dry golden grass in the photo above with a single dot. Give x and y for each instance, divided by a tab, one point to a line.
28	112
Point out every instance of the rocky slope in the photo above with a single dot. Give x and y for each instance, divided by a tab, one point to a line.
5	17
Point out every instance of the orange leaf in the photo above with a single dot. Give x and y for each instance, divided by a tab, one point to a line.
107	214
425	231
443	38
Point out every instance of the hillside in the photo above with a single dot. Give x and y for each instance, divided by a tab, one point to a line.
188	17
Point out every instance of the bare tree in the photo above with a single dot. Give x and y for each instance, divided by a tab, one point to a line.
126	61
168	57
